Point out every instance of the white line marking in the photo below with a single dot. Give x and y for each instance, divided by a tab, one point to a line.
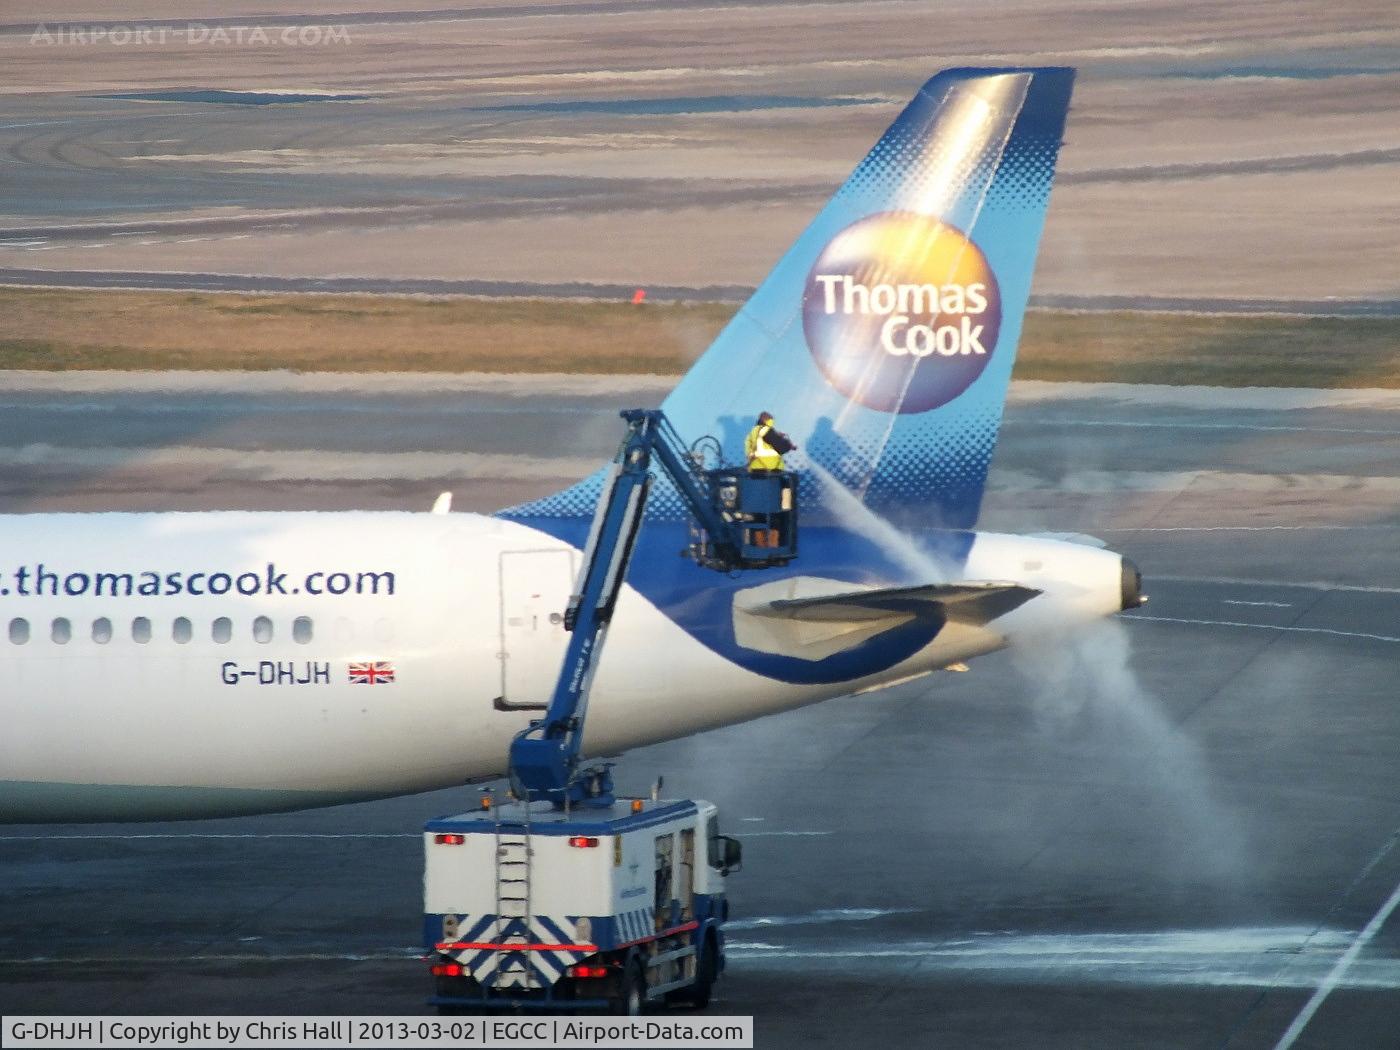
1251	528
435	384
41	960
784	834
1260	626
1311	585
1205	398
208	835
1199	426
818	918
1338	971
300	464
1271	605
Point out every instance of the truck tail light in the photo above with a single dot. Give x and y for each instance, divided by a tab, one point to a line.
583	970
583	841
447	969
449	840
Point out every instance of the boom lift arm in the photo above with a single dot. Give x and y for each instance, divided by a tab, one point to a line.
746	521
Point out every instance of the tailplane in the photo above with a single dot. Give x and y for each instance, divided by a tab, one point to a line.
883	341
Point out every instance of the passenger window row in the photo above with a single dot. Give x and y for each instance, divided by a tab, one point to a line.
181	630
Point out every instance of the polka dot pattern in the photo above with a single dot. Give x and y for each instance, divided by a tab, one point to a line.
976	149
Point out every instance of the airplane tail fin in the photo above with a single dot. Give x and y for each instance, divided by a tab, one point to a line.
882	342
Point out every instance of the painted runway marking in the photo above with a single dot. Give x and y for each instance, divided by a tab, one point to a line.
1252	528
1271	605
303	464
817	918
112	960
209	835
784	834
1338	972
1261	627
1241	957
1142	425
1310	585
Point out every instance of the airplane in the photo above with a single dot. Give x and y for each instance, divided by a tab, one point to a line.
187	665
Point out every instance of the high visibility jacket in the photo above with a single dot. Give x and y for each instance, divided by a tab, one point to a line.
761	455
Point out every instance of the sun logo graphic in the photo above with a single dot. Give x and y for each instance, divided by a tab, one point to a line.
901	312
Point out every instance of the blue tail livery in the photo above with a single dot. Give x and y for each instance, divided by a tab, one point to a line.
883	343
883	340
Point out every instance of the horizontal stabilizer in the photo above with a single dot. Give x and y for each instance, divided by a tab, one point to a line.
812	618
974	603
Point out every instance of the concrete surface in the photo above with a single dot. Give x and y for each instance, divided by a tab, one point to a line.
1169	832
1215	151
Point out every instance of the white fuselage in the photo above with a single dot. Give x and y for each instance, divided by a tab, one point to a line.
129	718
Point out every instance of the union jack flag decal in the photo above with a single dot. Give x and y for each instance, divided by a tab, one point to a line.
376	673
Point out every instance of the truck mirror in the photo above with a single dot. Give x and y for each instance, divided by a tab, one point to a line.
733	854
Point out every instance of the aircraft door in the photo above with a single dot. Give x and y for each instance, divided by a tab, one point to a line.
535	588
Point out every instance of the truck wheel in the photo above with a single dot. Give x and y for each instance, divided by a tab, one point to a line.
632	995
706	971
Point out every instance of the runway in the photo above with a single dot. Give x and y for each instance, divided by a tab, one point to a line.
371	144
1179	830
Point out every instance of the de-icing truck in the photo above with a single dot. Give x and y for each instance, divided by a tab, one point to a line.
567	896
598	907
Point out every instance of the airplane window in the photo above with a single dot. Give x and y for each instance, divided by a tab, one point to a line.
262	630
141	630
223	629
62	631
19	631
181	630
102	630
301	630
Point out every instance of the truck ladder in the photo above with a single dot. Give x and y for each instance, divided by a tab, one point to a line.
514	851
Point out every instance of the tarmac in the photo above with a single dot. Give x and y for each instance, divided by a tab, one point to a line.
1181	829
1244	151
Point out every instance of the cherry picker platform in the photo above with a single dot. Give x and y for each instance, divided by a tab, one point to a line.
566	896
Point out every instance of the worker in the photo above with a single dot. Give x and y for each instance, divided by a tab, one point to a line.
765	445
764	449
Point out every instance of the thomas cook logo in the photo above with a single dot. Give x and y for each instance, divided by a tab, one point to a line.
901	312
